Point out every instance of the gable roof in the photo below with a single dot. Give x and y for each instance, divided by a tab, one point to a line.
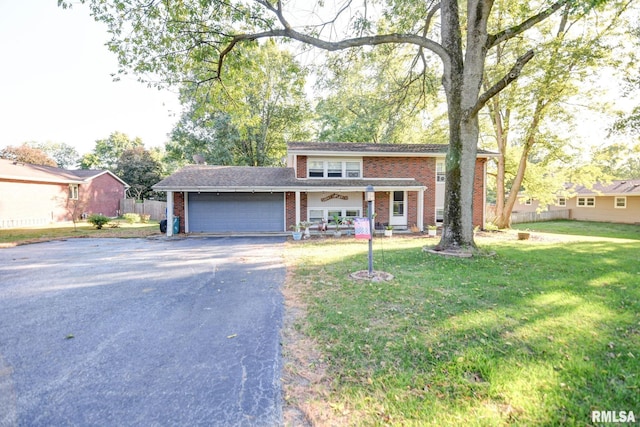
620	187
369	149
261	179
11	169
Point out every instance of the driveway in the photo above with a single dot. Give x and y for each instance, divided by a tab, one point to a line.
141	332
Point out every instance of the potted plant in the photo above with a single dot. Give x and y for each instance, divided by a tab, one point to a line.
337	222
431	230
305	226
296	231
388	230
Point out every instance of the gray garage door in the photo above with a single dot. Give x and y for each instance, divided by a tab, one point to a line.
224	212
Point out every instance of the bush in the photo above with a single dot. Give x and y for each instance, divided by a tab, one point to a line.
145	218
131	218
98	220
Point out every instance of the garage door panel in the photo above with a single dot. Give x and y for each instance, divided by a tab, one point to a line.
227	212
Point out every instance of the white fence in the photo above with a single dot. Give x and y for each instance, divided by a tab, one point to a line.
520	217
156	209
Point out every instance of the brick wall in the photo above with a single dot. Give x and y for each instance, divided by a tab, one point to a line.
178	209
301	167
102	195
478	194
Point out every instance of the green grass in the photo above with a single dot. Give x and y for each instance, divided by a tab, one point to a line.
584	228
542	333
18	236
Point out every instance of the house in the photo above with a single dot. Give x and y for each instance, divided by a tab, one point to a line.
616	201
321	180
37	195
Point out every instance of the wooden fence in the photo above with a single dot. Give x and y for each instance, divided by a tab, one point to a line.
520	217
157	210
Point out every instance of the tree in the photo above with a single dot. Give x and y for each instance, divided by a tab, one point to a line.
138	168
171	42
26	154
369	97
247	119
538	106
620	161
106	152
65	155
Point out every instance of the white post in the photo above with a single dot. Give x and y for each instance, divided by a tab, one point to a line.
297	207
169	213
420	223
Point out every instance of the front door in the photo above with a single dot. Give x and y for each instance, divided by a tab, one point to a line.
398	209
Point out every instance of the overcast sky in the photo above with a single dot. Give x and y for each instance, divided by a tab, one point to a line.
55	82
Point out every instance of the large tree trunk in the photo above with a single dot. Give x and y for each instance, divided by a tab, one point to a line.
462	81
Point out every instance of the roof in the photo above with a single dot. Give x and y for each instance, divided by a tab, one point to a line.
438	150
11	169
264	179
621	187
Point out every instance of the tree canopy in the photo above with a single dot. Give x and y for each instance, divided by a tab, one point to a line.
27	154
107	151
191	41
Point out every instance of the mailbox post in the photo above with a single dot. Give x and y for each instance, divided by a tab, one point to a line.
370	196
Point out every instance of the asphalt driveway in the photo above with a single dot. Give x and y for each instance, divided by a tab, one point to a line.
141	332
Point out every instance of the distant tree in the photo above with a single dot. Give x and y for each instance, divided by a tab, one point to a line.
246	120
621	161
26	154
65	155
138	168
106	152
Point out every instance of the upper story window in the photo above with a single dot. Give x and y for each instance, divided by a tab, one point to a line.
562	201
73	191
620	202
440	172
334	168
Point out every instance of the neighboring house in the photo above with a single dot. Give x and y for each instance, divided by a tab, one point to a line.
38	195
321	180
617	201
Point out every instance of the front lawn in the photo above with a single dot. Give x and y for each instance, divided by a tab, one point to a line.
542	333
116	228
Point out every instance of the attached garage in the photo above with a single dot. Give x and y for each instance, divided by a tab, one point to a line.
237	212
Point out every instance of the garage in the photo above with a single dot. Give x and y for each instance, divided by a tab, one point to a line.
239	212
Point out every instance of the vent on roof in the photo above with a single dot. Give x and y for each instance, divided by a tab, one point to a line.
199	159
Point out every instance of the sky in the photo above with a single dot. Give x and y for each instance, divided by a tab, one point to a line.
55	82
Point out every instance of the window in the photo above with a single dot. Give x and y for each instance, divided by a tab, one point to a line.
353	169
398	203
317	215
587	202
334	168
439	214
73	191
620	202
316	169
562	201
527	202
440	172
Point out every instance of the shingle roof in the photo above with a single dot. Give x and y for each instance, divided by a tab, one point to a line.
10	169
357	147
617	187
245	178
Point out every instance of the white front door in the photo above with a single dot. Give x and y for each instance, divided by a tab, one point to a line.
398	209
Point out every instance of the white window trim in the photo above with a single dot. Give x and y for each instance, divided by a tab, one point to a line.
325	212
585	202
325	167
74	191
562	201
615	202
441	176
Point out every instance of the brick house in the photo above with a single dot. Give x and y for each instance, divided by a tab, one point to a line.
38	195
321	180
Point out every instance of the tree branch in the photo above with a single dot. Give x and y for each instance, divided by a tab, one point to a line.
512	75
522	27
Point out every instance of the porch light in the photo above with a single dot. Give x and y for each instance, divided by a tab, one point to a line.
369	194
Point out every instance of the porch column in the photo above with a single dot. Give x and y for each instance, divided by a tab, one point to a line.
297	207
420	223
169	213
